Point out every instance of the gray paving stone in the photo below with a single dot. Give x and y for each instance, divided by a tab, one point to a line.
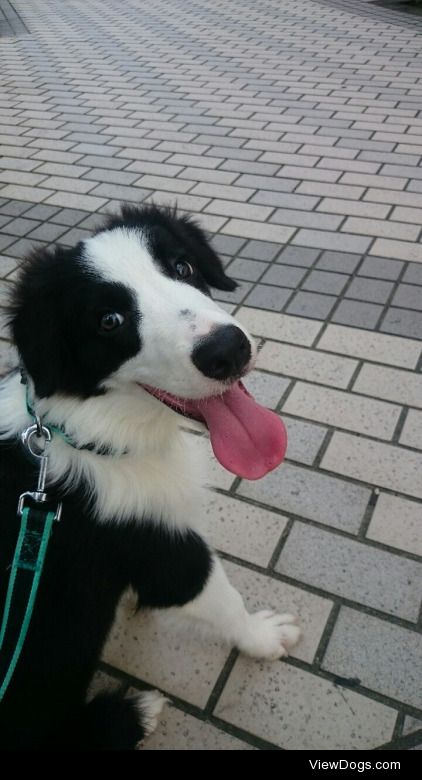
103	150
353	570
233	297
61	169
364	315
307	364
384	657
415	186
22	247
408	296
309	304
403	322
334	241
301	256
338	262
229	245
304	439
284	200
326	282
149	646
293	330
320	497
397	521
7	265
372	290
296	710
402	250
4	219
242	166
284	276
266	183
260	250
378	463
257	230
311	219
234	208
411	724
95	161
74	235
202	174
119	191
380	268
241	529
68	216
241	268
20	226
92	222
378	347
177	730
343	410
47	232
114	177
265	297
413	274
74	200
14	208
41	212
5	291
266	388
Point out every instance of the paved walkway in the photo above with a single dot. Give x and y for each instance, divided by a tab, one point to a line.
294	130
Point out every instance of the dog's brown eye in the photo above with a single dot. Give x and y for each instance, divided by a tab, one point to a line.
111	320
183	269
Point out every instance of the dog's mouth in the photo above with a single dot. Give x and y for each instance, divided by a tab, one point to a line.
248	439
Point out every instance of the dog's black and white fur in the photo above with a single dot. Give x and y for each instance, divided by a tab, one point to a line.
92	324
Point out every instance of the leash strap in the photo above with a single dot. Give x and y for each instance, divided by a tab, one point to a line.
25	575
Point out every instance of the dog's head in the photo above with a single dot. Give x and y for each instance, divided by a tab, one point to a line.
131	306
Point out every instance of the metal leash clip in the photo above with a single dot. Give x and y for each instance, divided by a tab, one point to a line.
40	453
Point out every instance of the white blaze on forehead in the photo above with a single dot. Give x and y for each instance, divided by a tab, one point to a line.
122	255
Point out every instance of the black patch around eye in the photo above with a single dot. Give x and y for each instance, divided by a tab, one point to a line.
54	317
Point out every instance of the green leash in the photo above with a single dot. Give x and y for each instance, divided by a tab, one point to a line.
30	552
38	513
37	517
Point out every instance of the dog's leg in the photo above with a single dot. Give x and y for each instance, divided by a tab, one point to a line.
261	635
180	570
112	722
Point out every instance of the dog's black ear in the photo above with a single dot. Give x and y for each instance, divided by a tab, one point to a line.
36	313
207	260
216	277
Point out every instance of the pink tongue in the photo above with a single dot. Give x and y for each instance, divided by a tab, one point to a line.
247	439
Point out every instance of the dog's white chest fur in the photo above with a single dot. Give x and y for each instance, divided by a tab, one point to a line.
154	472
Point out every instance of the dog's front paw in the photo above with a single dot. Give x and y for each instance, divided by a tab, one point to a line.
268	635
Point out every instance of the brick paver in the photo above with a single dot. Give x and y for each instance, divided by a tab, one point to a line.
293	132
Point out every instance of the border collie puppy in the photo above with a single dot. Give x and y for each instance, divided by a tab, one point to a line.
119	337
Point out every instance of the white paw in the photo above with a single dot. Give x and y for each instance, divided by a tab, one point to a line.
268	635
149	705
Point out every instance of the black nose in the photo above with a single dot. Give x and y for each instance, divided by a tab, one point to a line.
224	354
